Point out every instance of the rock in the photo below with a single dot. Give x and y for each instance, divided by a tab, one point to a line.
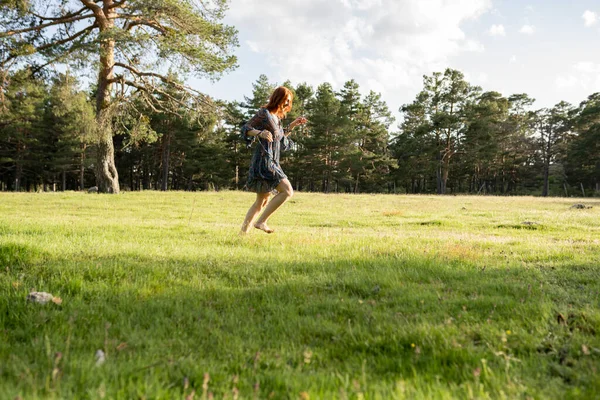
529	223
100	358
580	206
40	297
93	189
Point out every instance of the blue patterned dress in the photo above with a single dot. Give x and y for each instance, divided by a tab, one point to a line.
265	173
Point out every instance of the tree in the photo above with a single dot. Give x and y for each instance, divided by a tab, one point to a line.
552	125
450	95
261	90
583	155
128	42
72	117
322	153
441	109
413	146
21	125
352	137
519	148
484	142
232	120
295	165
375	160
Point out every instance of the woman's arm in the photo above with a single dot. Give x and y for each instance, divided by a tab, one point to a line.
265	134
255	127
298	121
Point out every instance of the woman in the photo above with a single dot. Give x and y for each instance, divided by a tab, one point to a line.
265	174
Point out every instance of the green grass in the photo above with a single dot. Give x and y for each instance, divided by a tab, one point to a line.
369	296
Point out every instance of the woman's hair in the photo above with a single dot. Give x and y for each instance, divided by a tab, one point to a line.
278	101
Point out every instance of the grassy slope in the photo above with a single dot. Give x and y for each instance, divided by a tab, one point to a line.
375	296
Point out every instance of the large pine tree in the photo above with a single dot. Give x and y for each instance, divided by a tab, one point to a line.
129	43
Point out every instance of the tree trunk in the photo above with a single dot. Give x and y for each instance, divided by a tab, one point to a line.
107	177
18	176
166	153
438	174
18	168
237	166
146	173
3	79
546	188
82	168
445	169
131	178
64	180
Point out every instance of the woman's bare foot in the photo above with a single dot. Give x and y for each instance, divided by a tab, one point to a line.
263	227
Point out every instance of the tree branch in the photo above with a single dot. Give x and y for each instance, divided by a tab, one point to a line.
149	89
118	4
73	14
137	20
97	10
163	78
52	44
91	5
60	57
140	73
42	26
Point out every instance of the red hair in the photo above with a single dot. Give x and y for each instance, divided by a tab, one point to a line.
278	102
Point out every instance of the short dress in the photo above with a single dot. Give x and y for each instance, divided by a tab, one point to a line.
265	173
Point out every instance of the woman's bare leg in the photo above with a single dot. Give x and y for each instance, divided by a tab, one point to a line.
255	209
285	193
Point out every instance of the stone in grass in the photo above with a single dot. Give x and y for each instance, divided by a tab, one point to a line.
100	358
529	223
580	206
40	297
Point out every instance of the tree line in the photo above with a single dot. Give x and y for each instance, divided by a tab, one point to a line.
136	128
454	138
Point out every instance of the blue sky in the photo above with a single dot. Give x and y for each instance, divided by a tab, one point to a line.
547	49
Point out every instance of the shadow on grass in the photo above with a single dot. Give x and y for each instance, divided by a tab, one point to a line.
350	325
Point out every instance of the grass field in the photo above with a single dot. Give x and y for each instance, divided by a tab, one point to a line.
366	296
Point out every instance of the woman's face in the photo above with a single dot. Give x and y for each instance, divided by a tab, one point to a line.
287	103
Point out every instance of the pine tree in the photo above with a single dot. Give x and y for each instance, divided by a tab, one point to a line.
128	42
583	157
323	146
21	153
72	115
376	162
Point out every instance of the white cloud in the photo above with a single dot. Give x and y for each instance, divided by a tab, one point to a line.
473	46
253	46
587	67
497	30
589	18
566	82
583	75
529	9
482	78
386	45
513	59
527	29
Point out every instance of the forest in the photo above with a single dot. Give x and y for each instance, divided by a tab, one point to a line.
137	129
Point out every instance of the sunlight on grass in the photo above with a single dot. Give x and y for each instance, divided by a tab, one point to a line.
373	296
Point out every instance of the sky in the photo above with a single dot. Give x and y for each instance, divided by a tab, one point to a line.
548	49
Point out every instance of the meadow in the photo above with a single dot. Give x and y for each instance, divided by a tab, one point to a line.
353	297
